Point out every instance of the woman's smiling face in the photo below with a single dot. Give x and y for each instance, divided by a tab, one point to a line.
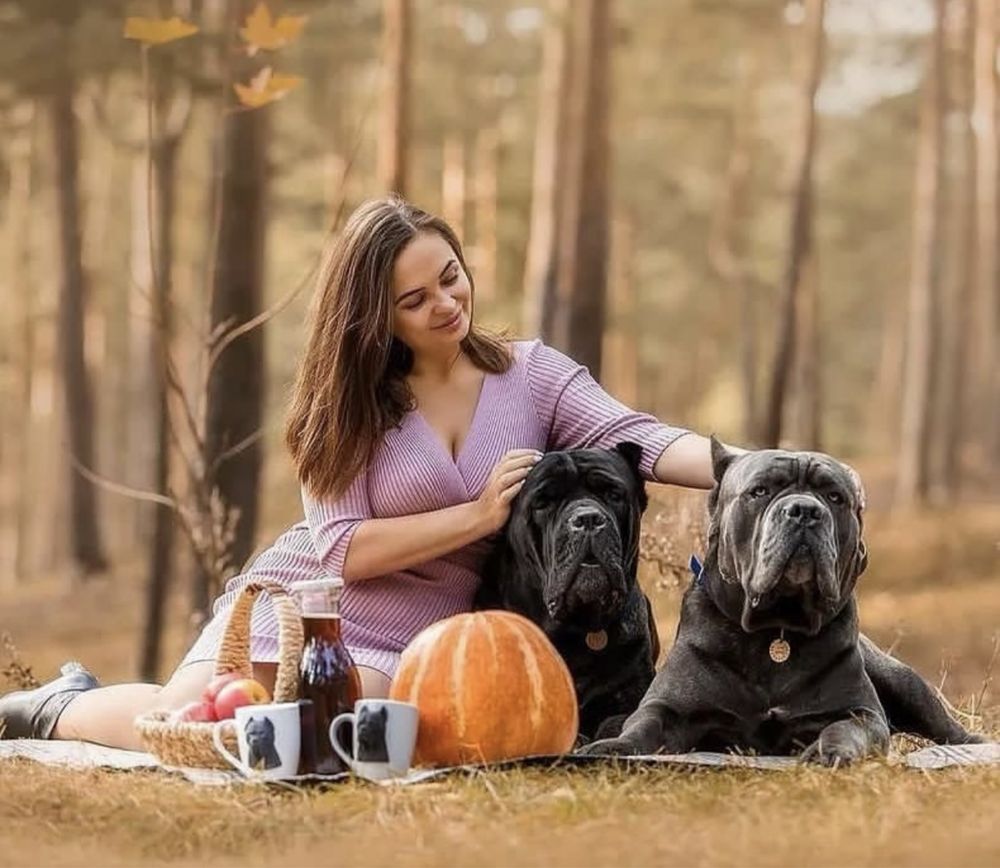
432	296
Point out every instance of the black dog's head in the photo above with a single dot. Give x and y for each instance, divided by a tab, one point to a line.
575	524
786	527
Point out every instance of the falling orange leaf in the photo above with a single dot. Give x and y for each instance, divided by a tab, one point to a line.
262	32
265	87
157	31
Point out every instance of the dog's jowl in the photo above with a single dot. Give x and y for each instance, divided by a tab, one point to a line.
768	656
567	560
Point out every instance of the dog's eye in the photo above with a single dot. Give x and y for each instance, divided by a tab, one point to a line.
835	497
759	491
540	504
613	495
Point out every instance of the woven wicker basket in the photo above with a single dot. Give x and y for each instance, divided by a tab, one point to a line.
190	744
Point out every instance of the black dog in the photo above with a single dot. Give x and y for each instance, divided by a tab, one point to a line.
261	752
768	656
371	735
567	561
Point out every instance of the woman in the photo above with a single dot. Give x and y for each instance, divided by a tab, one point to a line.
411	429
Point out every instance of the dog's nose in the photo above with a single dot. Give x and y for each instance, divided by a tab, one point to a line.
587	519
804	511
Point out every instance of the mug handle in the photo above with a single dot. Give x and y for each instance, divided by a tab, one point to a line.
338	721
234	761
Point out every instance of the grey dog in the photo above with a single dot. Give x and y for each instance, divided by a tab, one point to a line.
768	656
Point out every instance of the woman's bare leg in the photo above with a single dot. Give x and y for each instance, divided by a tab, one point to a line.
105	715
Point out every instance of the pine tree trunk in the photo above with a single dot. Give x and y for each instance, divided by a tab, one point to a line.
984	123
801	229
620	357
160	563
20	158
953	389
914	443
453	183
583	253
808	358
87	546
727	244
235	402
487	171
396	47
539	299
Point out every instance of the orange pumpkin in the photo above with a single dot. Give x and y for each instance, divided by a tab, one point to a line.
490	686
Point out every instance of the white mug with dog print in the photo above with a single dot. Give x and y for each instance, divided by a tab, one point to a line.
269	740
385	733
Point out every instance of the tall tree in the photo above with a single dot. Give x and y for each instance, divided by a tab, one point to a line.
486	183
453	183
914	445
984	123
620	356
396	62
171	108
584	229
727	243
952	389
20	157
236	382
800	241
539	291
87	545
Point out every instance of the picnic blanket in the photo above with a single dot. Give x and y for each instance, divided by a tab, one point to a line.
82	755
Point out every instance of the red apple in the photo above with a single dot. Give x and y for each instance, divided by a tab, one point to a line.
194	712
216	684
235	694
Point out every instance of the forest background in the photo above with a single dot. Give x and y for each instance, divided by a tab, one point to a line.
775	221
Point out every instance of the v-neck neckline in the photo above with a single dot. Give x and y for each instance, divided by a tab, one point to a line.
456	459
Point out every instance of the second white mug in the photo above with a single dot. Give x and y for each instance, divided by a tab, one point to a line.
384	735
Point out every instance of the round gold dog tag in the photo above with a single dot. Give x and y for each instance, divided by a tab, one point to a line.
779	651
597	641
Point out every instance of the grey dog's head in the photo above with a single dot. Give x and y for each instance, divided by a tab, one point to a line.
787	528
260	732
575	526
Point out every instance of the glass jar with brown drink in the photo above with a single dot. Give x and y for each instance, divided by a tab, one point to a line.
327	674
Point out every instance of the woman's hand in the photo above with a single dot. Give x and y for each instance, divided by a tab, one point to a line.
504	483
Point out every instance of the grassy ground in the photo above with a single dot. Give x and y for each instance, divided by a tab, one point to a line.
933	591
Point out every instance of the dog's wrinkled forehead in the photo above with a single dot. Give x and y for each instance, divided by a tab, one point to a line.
584	468
779	470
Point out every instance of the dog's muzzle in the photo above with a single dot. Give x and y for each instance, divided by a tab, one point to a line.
587	581
794	583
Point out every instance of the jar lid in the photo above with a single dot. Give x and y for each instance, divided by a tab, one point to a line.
327	584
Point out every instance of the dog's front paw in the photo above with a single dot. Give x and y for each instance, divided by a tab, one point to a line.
835	748
608	747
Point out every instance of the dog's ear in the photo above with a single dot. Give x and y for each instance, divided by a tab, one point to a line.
721	458
861	558
632	453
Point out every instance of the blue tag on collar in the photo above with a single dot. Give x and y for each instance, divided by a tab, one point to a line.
696	567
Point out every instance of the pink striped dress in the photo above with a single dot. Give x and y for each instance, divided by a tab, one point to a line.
543	401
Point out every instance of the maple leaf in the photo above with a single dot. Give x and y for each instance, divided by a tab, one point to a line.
265	87
157	31
262	32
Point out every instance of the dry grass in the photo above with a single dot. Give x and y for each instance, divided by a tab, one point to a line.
933	590
874	815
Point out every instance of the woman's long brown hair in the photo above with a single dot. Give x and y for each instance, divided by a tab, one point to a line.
350	387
